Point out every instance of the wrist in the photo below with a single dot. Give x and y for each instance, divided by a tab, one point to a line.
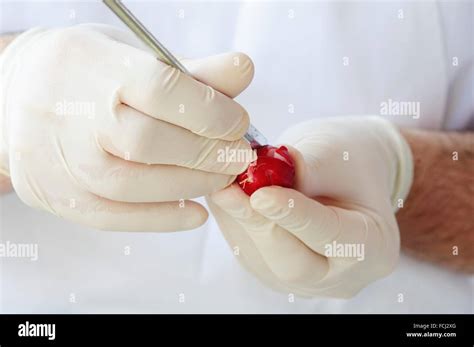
403	170
5	40
11	46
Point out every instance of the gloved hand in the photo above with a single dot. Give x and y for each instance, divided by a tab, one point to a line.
336	231
96	130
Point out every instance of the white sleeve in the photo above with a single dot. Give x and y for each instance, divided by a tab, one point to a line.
460	106
456	20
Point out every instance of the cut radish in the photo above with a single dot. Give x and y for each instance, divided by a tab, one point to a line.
273	167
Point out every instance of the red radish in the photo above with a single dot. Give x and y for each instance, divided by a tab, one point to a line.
273	167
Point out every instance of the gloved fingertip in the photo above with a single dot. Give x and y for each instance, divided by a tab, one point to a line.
195	219
229	198
300	165
230	73
245	67
264	198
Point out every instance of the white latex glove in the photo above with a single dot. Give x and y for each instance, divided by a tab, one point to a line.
350	173
96	130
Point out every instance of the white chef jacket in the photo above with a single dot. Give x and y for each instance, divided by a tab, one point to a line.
312	59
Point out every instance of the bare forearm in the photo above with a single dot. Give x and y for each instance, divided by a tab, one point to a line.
5	40
436	221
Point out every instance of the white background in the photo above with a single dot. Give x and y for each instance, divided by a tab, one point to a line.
298	50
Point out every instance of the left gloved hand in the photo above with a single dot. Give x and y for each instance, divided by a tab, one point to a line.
336	231
96	130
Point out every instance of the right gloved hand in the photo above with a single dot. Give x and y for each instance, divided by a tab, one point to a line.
96	130
335	232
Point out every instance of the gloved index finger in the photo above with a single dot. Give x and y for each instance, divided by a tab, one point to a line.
286	256
165	93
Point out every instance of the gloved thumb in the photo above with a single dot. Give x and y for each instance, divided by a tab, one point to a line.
230	73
